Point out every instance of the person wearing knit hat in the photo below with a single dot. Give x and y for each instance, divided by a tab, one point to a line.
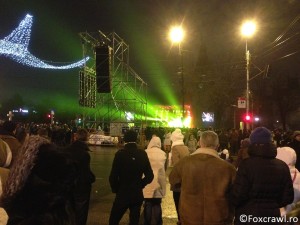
130	172
38	185
7	134
178	152
260	135
295	144
5	154
263	183
288	155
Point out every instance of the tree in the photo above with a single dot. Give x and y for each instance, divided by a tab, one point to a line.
284	84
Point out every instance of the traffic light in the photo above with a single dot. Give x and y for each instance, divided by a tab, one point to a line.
248	118
50	116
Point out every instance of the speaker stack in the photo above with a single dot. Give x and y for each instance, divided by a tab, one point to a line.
103	68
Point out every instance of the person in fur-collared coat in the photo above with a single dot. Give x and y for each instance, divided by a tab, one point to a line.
38	186
206	181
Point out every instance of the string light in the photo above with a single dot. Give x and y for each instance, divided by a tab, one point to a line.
15	46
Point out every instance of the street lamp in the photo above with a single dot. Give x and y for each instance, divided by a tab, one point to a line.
176	36
247	30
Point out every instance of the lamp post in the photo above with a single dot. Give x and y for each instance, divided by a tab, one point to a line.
234	115
248	29
176	36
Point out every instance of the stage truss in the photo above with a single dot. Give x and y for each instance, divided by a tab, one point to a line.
128	90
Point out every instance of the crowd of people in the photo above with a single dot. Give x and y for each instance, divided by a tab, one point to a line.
42	182
259	186
216	177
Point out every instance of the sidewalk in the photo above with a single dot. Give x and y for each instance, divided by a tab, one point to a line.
100	210
102	198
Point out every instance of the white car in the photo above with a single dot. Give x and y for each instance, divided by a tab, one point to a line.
100	139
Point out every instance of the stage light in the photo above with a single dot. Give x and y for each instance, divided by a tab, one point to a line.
15	46
129	116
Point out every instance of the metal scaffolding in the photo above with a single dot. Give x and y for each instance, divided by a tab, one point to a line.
128	90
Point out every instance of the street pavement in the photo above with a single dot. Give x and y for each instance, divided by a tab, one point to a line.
102	198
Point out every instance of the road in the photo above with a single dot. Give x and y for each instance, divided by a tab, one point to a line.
102	198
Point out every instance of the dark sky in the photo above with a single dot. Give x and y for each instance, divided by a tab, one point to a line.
143	24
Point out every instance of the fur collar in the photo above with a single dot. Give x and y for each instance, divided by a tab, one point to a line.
207	151
23	166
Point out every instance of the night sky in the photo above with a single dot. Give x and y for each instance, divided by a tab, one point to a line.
143	24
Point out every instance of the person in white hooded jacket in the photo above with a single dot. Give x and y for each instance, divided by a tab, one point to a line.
288	155
178	151
156	190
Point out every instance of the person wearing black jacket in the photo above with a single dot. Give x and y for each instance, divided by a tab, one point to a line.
39	184
263	183
79	153
130	173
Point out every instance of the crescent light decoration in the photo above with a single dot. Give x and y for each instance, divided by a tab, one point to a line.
15	46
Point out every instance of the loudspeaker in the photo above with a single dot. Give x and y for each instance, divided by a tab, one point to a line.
103	68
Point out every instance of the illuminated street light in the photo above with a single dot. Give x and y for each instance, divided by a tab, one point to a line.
247	30
176	35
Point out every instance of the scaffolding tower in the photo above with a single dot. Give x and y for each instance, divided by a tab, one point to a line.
128	94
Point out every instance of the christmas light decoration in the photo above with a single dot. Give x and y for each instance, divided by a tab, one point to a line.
15	46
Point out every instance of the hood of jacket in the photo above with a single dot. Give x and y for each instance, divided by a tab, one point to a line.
287	155
177	137
154	142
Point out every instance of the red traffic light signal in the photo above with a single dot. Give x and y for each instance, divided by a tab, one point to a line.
247	118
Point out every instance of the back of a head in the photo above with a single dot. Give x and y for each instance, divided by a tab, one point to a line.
82	134
260	135
42	132
154	142
9	126
177	137
130	136
23	166
261	143
209	139
245	143
287	154
296	134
